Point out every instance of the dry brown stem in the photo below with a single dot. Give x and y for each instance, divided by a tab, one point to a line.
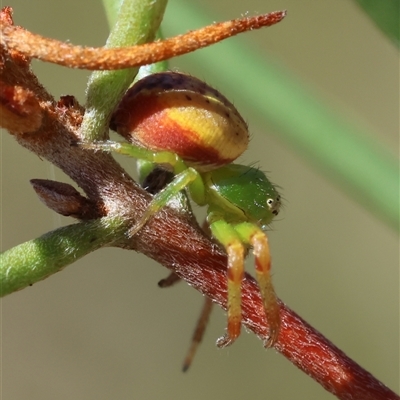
51	50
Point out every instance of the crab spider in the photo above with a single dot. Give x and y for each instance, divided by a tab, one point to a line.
179	122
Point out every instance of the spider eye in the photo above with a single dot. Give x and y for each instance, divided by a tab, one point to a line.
274	204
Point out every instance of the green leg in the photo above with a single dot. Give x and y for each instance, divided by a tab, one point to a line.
144	168
227	236
255	237
180	182
128	149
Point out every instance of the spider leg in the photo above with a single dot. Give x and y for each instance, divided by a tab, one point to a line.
180	182
169	281
198	332
128	149
227	236
254	236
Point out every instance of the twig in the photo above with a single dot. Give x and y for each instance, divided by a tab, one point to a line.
53	51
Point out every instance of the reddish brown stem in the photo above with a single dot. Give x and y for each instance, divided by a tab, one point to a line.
53	51
19	109
299	342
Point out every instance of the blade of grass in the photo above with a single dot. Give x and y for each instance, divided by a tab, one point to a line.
386	16
339	148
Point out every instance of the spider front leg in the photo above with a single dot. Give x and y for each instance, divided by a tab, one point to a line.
257	239
185	176
189	177
229	238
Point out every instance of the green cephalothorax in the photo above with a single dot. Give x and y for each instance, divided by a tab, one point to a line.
241	201
244	192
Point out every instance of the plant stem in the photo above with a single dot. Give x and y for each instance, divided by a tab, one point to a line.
137	23
35	260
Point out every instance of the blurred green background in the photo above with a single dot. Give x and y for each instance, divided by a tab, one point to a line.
103	329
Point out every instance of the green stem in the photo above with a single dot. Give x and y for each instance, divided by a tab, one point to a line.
137	23
161	66
36	259
111	8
